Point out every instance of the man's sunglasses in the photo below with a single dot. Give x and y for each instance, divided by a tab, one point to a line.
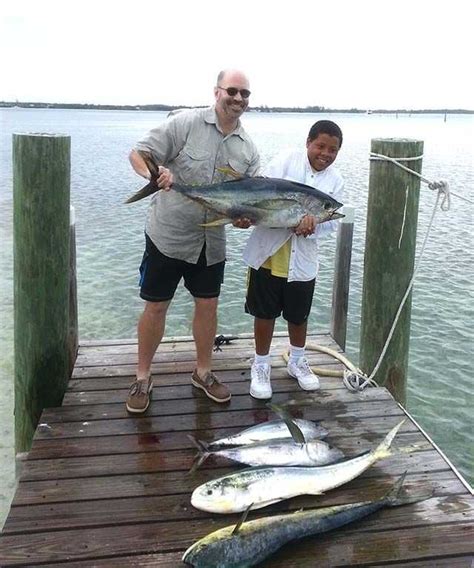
232	91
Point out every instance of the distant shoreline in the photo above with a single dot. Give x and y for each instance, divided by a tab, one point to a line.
264	109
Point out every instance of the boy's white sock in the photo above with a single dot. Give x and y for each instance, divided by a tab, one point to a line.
262	359
296	353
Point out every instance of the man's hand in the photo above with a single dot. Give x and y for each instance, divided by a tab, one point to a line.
306	227
242	223
165	179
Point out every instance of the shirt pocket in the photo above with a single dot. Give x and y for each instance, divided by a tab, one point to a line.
240	165
193	165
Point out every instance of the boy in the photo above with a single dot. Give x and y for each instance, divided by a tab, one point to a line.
284	262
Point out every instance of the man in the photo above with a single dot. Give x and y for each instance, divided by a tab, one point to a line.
191	147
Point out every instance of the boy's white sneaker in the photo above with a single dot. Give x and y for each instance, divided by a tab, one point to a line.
260	386
301	371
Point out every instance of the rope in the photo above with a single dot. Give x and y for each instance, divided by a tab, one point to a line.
353	378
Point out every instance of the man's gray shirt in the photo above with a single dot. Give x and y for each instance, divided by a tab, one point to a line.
193	147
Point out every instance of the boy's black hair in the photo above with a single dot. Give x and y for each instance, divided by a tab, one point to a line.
325	127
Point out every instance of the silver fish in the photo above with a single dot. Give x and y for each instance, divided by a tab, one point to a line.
249	543
276	452
260	487
271	430
271	202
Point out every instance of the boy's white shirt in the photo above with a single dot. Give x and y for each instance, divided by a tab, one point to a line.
264	242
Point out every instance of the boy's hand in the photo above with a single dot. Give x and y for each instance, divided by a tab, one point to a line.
306	227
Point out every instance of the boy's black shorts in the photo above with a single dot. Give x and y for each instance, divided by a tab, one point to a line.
269	296
160	275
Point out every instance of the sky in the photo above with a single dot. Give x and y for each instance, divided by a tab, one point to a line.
364	54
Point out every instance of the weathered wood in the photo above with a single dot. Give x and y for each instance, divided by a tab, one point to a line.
352	548
173	559
447	505
189	403
392	216
188	365
342	274
41	180
151	442
208	421
110	391
73	339
145	462
160	482
101	488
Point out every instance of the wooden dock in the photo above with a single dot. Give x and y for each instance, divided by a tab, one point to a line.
101	488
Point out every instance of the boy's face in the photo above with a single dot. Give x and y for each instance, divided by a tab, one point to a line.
322	151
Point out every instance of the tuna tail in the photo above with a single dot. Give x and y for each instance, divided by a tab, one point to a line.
149	188
394	498
383	450
201	456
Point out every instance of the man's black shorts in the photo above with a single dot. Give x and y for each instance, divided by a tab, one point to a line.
269	296
160	275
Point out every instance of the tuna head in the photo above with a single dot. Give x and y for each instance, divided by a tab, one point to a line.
321	205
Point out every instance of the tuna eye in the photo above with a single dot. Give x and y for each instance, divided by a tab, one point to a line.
327	205
209	491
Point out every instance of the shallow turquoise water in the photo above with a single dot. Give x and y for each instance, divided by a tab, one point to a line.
109	248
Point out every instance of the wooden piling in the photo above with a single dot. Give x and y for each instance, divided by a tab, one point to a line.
392	216
342	272
41	186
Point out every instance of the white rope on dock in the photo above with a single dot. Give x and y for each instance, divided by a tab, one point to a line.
353	381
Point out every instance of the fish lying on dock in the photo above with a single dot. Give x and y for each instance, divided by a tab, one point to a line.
271	430
271	202
273	453
249	543
258	487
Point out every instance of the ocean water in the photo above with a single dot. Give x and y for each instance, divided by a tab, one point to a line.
110	243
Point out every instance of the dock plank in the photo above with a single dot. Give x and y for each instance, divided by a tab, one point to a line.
102	488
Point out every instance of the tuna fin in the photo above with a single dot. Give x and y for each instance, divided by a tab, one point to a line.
294	429
394	498
231	172
216	223
201	457
242	520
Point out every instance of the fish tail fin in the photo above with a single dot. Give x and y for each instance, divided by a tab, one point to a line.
201	456
383	450
217	222
147	190
395	496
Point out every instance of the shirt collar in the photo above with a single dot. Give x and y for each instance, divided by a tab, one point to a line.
210	117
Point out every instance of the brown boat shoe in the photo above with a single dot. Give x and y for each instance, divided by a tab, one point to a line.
211	386
139	395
